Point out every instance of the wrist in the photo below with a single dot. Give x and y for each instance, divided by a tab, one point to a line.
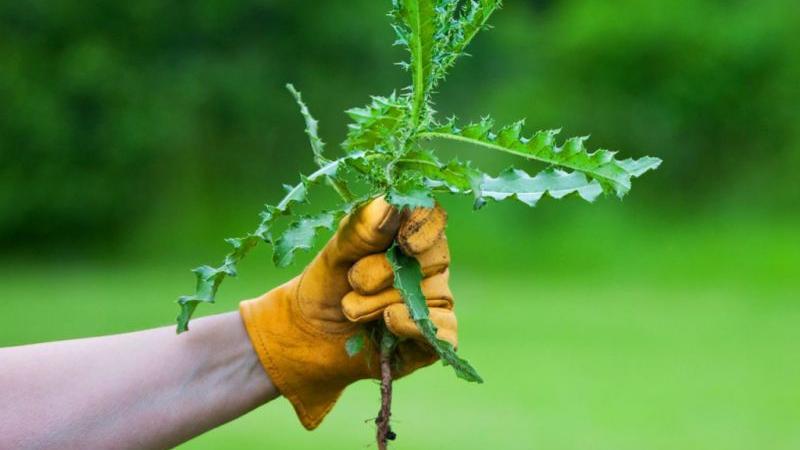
229	360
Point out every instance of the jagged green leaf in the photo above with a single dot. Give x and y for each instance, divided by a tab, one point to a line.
416	27
375	126
407	279
457	177
415	197
298	193
207	281
515	183
209	278
410	192
370	167
636	167
300	236
455	29
317	146
612	174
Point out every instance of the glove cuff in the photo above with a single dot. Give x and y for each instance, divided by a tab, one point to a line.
297	363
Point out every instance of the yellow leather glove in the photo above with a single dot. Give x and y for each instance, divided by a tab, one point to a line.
299	329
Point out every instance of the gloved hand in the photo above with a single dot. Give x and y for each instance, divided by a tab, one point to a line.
299	329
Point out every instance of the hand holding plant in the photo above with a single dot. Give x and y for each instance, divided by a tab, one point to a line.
300	329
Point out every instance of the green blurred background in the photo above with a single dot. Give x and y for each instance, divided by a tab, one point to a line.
135	136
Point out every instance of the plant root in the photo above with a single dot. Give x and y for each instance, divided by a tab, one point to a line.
384	429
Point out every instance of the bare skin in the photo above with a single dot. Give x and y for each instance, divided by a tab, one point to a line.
150	389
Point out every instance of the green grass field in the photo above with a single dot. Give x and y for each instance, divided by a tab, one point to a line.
677	351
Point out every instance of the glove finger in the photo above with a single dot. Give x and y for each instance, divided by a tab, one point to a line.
398	321
370	229
373	273
420	229
364	308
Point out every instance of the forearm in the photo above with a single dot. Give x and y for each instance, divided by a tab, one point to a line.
143	390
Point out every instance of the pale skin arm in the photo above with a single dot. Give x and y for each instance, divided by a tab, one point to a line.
150	389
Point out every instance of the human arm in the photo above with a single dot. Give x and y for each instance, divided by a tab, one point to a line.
150	389
153	389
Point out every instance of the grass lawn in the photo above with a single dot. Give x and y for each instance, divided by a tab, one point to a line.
611	362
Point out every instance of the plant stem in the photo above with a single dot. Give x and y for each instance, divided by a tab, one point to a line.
384	432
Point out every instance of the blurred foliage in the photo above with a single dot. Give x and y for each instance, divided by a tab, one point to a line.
667	321
119	117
